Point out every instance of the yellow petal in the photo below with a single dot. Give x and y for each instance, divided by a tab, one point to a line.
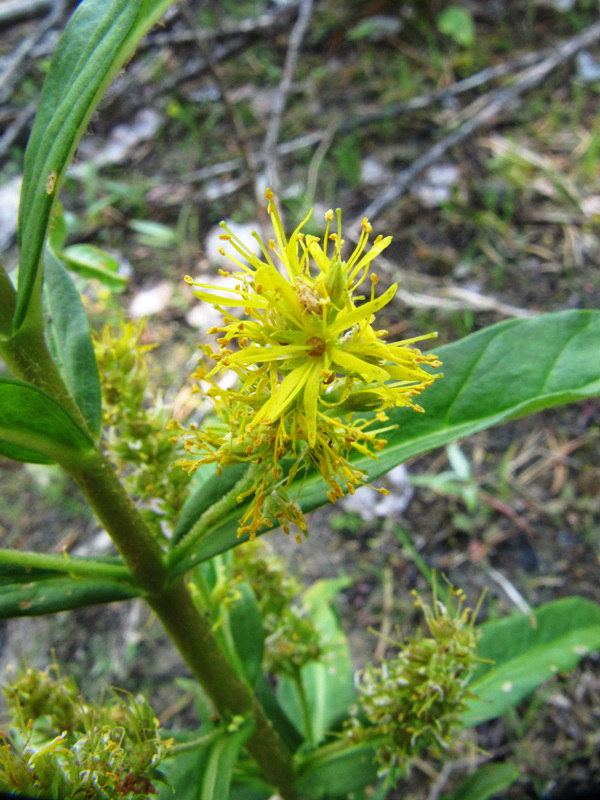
254	355
291	385
356	365
347	320
311	397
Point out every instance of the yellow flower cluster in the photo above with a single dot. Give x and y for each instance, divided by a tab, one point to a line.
307	360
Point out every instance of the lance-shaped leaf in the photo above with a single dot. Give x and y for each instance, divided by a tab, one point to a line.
70	341
522	651
337	771
328	683
35	428
499	373
99	38
93	262
218	771
43	594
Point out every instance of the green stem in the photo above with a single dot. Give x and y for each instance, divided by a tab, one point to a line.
64	563
297	678
193	636
189	629
8	298
27	357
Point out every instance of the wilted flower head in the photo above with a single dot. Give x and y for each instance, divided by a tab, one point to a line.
413	701
308	359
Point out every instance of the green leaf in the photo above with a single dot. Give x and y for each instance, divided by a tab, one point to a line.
99	38
525	651
93	262
457	23
43	594
508	370
334	772
155	234
329	683
206	489
23	566
485	782
71	344
223	754
244	624
184	771
35	428
505	371
248	791
288	732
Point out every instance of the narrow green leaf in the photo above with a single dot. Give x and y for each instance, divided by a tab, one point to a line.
70	341
524	651
245	626
184	772
329	683
485	782
48	595
99	38
23	566
288	732
457	23
224	751
35	428
336	771
508	370
93	262
505	371
206	489
248	791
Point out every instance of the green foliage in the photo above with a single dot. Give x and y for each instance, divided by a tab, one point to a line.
317	696
98	40
69	337
93	262
275	674
35	428
485	782
337	772
57	746
457	23
33	594
521	652
413	702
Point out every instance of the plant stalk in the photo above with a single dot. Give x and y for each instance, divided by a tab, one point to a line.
28	357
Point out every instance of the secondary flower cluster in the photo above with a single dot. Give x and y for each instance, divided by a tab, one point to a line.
314	376
413	701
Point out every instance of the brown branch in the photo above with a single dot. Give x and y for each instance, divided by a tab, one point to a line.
499	102
235	120
289	68
20	58
14	10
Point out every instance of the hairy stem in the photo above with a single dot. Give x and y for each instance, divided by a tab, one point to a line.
190	630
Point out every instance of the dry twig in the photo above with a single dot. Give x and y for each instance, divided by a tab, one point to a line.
499	101
289	68
14	10
241	136
20	122
20	58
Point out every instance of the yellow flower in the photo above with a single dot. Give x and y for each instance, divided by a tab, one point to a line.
307	358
